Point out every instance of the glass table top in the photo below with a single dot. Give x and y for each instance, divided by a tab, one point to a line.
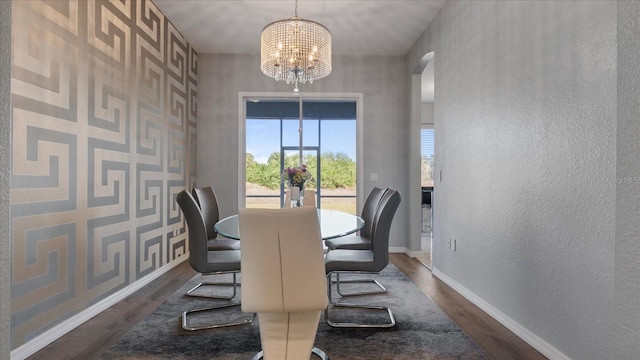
333	224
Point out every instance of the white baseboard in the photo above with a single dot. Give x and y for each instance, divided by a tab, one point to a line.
397	249
415	254
39	342
530	338
404	250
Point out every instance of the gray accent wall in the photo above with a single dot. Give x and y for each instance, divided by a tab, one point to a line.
536	122
380	80
5	175
103	122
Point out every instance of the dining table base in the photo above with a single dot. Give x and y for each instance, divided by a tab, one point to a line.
319	353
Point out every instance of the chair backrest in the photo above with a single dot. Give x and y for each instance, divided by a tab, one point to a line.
381	227
197	231
309	197
287	199
282	260
206	199
369	210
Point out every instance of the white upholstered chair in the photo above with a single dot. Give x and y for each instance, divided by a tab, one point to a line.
287	198
283	279
309	197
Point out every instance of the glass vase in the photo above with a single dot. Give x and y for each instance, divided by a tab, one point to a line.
297	195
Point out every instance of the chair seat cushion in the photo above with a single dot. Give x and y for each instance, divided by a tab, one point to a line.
350	260
223	244
222	260
349	242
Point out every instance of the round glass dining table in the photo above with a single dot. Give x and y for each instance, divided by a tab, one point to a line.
333	224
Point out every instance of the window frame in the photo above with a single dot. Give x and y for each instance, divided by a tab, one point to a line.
243	97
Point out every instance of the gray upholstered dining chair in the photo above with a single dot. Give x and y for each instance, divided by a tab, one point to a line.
207	262
370	261
208	203
205	197
283	279
361	241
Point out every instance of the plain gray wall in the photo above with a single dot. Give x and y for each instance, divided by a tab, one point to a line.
625	335
380	80
427	113
532	153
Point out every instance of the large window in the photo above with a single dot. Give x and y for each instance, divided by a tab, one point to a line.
272	142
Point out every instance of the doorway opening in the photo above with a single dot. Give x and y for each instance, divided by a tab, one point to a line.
426	185
425	121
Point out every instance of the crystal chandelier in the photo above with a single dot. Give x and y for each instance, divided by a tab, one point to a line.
295	50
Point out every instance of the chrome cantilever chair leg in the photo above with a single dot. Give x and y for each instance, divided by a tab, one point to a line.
319	353
186	326
327	318
235	284
381	290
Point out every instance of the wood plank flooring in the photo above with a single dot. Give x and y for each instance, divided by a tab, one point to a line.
92	338
495	339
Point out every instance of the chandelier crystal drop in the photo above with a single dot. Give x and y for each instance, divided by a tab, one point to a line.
295	50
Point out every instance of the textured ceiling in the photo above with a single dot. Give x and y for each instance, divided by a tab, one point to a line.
358	27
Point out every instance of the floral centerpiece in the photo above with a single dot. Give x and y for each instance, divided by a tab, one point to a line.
296	176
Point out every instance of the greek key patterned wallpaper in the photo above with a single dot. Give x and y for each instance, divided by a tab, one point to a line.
104	136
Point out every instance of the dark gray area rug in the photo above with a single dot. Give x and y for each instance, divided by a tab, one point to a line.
422	331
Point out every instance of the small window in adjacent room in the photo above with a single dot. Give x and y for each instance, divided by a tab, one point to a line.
426	155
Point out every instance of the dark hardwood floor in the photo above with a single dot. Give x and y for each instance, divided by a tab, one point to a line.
495	339
92	338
